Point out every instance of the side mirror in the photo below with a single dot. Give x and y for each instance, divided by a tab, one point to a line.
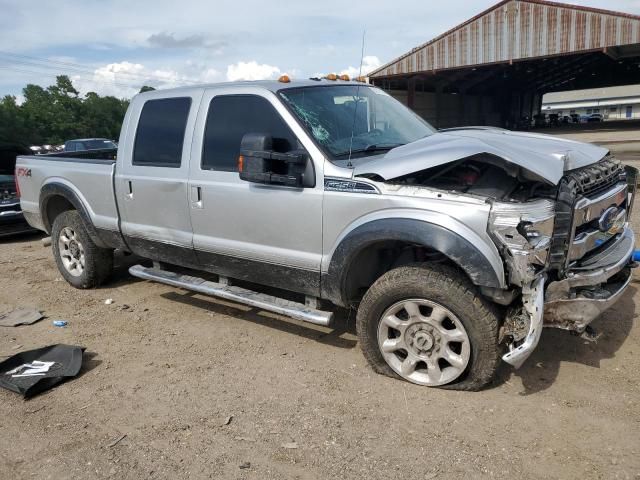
259	163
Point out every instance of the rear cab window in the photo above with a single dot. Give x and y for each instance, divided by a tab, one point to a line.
160	133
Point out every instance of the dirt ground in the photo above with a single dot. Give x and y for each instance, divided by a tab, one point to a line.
168	368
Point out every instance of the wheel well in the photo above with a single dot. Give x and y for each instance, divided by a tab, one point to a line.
377	259
56	205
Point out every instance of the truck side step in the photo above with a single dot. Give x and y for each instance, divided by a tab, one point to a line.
299	311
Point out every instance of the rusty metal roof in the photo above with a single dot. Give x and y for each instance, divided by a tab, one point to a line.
515	30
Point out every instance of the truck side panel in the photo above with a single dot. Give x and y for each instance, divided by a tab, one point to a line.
90	181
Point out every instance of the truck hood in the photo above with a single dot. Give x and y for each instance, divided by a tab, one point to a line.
543	155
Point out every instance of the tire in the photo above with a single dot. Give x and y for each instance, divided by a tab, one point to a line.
80	261
438	314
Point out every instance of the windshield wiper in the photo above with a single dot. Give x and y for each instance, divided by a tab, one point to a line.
371	148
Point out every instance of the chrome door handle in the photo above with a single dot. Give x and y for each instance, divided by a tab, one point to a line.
196	197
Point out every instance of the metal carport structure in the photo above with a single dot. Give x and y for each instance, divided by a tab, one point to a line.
494	68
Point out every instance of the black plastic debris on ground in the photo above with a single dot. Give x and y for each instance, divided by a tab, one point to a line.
67	363
20	317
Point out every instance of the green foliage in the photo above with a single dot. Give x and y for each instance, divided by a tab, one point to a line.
57	113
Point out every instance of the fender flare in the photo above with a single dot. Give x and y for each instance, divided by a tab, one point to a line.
454	246
54	189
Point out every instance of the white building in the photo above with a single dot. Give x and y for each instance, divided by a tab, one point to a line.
614	103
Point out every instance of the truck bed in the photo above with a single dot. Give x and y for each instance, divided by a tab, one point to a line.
88	174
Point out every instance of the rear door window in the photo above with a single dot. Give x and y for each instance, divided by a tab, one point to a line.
230	117
160	133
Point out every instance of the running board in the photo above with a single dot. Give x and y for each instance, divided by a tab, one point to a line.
299	311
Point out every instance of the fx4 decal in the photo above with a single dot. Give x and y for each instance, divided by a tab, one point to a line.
23	172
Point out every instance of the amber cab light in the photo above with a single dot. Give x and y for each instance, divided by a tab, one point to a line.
284	79
240	163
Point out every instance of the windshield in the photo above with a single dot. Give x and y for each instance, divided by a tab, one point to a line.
359	119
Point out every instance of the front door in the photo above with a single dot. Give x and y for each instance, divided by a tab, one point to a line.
268	234
152	178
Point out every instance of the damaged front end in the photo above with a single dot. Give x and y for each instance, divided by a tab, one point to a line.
592	256
561	228
524	232
580	246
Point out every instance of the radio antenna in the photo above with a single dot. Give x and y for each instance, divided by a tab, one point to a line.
355	110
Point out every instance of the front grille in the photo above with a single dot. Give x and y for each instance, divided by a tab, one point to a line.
599	177
577	188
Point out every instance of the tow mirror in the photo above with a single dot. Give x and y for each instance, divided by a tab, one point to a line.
259	163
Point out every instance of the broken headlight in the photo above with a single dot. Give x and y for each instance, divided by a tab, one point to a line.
523	233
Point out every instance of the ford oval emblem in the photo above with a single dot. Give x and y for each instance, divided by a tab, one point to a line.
608	219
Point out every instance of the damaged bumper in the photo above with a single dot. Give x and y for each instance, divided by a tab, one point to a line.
590	288
533	304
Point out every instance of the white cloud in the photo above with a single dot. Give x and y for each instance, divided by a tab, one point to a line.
369	64
251	71
124	79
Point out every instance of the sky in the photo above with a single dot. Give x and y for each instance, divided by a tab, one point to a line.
113	47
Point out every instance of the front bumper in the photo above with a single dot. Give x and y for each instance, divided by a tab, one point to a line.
12	220
591	287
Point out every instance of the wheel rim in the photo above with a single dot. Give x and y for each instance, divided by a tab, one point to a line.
71	252
423	342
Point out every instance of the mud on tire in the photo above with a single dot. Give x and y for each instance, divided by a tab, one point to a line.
439	286
80	261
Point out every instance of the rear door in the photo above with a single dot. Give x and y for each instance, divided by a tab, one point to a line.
152	177
268	234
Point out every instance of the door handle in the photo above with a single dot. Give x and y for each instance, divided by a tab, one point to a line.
196	197
129	194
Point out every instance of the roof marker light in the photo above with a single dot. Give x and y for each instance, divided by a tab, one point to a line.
284	79
345	78
332	77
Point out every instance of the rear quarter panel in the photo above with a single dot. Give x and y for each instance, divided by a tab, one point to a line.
90	180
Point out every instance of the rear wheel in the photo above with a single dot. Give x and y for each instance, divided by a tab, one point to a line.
427	325
80	261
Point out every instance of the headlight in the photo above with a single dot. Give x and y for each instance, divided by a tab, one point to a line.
523	231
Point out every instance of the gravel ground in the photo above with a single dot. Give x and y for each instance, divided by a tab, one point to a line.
201	388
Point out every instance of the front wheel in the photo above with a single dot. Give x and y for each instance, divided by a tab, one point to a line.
427	325
80	261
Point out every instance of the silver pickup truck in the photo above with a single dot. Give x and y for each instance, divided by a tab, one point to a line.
456	247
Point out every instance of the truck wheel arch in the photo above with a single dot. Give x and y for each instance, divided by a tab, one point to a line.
56	198
459	251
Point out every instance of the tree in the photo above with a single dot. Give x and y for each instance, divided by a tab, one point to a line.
58	113
12	128
66	111
103	115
